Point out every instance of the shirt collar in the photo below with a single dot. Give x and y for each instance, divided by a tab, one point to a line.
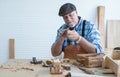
80	19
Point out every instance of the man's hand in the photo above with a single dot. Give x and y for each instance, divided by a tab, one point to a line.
63	33
72	35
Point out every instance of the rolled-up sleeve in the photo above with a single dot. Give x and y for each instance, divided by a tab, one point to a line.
93	36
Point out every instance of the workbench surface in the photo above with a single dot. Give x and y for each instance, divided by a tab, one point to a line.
23	68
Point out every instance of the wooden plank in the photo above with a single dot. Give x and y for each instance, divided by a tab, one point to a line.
113	65
113	33
101	27
11	48
108	71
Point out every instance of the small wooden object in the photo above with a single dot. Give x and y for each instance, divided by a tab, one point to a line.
66	60
112	64
56	67
90	60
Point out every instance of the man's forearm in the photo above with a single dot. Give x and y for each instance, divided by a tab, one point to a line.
87	46
57	47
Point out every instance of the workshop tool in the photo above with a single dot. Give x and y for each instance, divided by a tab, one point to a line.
68	74
34	61
66	67
86	70
71	74
116	48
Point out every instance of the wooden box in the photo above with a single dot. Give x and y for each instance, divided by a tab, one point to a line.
90	60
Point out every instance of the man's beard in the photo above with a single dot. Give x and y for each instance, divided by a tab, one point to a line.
71	24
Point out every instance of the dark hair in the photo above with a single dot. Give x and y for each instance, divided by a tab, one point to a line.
66	8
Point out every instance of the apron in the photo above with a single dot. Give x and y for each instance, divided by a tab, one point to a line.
71	51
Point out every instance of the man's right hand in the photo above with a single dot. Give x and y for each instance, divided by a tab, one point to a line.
63	33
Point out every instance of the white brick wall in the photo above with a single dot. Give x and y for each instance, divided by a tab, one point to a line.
33	23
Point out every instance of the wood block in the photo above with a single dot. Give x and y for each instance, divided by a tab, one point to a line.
11	48
113	33
101	27
112	64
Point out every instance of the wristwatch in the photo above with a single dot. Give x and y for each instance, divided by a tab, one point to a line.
78	41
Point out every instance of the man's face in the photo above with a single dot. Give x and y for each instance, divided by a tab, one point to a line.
71	19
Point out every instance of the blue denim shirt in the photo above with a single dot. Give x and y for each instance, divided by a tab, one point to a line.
91	34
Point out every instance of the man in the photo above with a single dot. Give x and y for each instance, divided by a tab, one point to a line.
76	36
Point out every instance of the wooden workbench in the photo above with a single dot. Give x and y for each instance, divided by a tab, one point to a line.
12	68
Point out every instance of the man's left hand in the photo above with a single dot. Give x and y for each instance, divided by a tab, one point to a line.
72	35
